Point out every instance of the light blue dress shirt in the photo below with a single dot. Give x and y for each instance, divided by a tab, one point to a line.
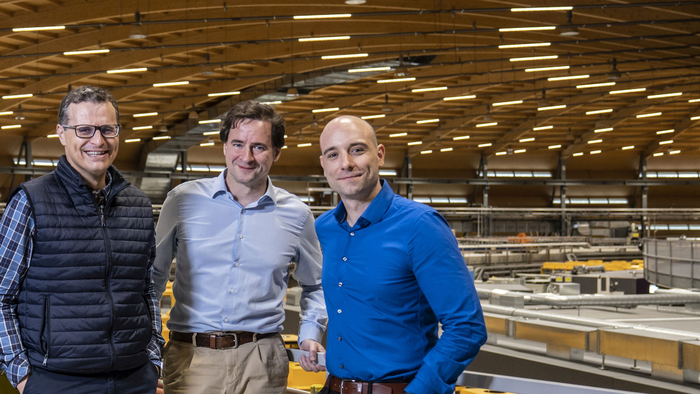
233	261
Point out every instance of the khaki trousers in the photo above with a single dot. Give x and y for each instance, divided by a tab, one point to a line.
258	367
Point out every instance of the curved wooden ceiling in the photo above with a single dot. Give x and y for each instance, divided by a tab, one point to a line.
649	50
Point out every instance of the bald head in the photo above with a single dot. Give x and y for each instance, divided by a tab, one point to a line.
347	123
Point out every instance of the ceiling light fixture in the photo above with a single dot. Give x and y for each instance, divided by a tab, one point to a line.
649	115
347	56
421	90
162	137
614	74
333	38
657	154
507	103
527	59
487	124
674	152
501	153
326	16
695	118
568	29
551	107
530	45
599	111
271	102
527	139
164	84
446	150
554	68
132	140
6	113
52	136
415	143
367	70
628	147
41	28
635	90
11	126
398	135
223	94
566	78
17	96
605	130
595	152
467	97
542	128
520	151
554	147
208	121
464	137
697	100
486	145
136	32
666	142
142	128
211	143
426	152
316	111
211	133
127	70
595	141
669	131
409	79
656	96
578	154
143	115
595	85
427	121
304	145
372	117
527	9
535	28
90	52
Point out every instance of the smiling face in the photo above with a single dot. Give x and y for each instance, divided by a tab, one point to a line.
91	157
249	155
351	158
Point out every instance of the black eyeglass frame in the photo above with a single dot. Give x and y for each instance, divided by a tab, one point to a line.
94	129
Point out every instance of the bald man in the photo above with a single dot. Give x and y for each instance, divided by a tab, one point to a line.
391	271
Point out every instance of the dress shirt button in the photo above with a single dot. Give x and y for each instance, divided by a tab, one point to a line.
342	366
232	291
240	236
340	311
242	210
340	339
226	320
340	284
345	259
236	264
352	234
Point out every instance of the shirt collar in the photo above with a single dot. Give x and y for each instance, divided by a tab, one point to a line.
376	209
221	188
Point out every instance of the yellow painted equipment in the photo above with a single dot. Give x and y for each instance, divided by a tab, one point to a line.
615	265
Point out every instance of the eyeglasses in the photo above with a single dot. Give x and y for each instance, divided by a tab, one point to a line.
88	130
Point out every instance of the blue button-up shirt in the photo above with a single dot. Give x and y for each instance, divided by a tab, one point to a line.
233	261
388	281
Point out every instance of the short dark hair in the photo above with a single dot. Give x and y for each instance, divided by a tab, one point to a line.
254	110
83	94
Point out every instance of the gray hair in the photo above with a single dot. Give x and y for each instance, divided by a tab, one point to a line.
83	94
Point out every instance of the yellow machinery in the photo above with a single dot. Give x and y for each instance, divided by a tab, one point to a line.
615	265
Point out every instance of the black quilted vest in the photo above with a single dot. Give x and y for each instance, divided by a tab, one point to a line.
83	303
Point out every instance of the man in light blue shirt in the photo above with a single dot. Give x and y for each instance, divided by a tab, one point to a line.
234	237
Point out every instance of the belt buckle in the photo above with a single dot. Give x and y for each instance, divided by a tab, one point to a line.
235	340
342	384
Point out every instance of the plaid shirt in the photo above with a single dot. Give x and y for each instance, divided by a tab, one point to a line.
16	246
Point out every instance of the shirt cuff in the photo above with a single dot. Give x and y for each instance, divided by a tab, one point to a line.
17	369
310	331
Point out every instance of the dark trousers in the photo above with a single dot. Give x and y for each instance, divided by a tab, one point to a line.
141	380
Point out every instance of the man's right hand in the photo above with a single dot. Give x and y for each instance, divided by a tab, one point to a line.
21	384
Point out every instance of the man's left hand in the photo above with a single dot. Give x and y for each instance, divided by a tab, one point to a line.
309	363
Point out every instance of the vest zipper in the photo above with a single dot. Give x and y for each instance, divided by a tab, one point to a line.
47	328
108	284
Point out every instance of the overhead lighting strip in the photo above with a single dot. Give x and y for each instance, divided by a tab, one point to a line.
554	68
40	28
90	52
530	45
164	84
531	58
566	78
346	56
421	90
535	9
599	111
467	97
223	94
127	70
534	28
324	16
635	90
656	96
409	79
551	107
368	70
333	38
595	85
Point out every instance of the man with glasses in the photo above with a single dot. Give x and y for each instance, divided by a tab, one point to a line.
78	311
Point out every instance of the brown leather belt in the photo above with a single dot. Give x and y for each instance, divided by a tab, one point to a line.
219	341
358	387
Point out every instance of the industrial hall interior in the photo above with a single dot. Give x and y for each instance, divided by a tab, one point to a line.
559	139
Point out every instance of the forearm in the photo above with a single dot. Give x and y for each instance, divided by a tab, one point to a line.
313	316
